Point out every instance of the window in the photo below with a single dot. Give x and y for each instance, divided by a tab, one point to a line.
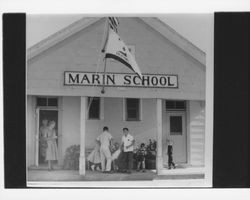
175	105
132	109
175	125
47	101
94	108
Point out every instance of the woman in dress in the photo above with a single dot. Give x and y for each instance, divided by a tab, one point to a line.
42	141
51	151
94	158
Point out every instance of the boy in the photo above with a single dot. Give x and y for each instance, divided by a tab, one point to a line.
128	142
170	154
141	153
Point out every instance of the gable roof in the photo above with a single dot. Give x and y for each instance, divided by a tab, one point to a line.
84	22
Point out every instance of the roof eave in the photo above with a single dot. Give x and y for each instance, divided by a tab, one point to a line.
60	36
176	39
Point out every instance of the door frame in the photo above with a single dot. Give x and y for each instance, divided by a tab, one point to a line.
38	109
185	128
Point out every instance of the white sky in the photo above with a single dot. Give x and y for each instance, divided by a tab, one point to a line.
193	27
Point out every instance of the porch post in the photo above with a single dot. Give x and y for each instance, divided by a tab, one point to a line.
82	135
159	163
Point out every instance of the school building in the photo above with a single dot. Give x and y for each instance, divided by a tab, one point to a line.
65	74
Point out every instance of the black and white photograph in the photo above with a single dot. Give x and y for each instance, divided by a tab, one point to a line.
118	100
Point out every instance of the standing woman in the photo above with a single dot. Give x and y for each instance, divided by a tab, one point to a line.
42	140
51	151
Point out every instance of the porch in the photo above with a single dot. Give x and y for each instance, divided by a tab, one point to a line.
73	175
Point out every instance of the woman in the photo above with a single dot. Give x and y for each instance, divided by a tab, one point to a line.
51	151
94	158
42	141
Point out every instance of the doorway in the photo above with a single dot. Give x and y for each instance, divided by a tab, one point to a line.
176	132
49	115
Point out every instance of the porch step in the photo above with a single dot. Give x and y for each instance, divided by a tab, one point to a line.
182	171
44	167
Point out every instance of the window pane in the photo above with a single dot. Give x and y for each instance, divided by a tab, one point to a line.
175	105
170	105
180	105
133	103
41	101
175	125
94	109
132	109
52	101
132	114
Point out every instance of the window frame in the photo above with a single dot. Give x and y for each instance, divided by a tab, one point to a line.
99	114
47	102
139	112
176	109
175	133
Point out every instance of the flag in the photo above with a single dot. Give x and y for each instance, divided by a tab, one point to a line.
113	23
118	50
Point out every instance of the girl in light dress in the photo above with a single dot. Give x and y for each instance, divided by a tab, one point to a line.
94	158
51	151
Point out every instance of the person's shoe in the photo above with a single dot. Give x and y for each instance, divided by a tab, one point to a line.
143	170
128	172
108	172
137	170
98	169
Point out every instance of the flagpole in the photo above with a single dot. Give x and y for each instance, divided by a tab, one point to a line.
105	59
103	86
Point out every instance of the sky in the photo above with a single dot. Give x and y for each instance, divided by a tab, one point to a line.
193	27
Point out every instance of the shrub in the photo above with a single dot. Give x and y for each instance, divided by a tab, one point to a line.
71	158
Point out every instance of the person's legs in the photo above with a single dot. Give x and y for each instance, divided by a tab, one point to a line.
143	164
130	161
102	159
125	161
108	158
49	164
169	162
138	164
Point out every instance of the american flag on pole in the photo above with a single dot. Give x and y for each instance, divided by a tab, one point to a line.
113	23
116	48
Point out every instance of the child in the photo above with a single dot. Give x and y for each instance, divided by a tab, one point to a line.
170	154
141	153
115	154
94	159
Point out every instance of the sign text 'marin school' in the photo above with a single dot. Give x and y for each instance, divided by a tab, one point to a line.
120	80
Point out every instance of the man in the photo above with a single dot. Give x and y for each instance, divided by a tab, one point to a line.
128	148
105	141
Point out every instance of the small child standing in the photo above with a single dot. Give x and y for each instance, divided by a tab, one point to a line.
141	154
170	154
